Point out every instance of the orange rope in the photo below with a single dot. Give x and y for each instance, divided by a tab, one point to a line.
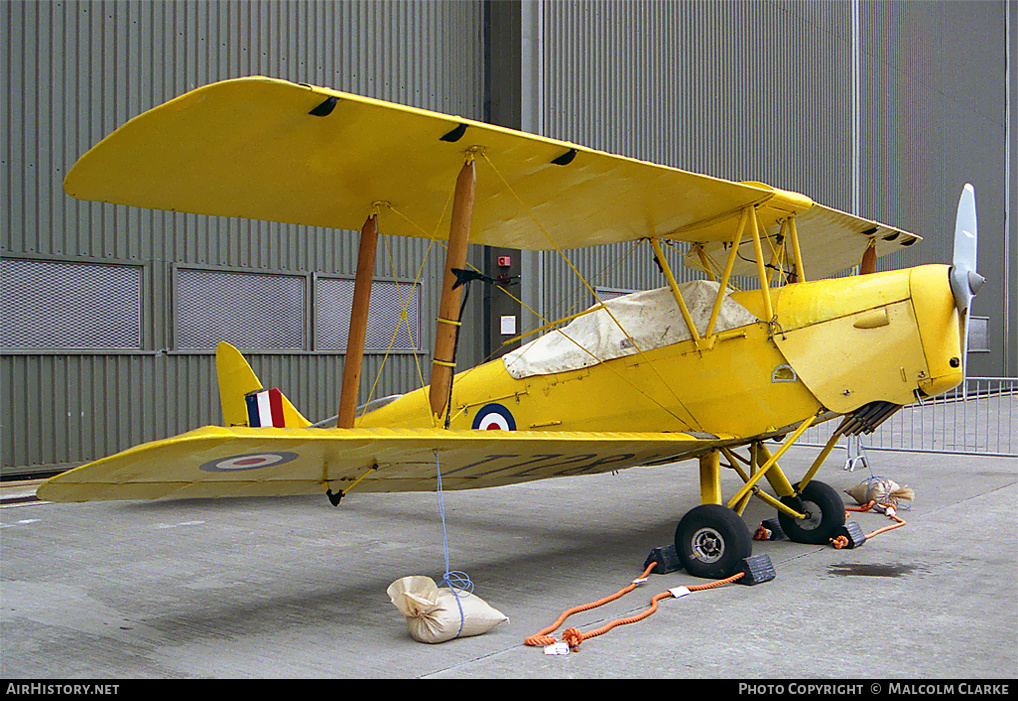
573	637
841	541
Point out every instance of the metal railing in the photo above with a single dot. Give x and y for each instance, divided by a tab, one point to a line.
979	417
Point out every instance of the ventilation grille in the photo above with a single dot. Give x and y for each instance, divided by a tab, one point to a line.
334	299
609	293
248	310
75	306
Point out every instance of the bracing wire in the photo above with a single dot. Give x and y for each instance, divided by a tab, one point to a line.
404	304
591	290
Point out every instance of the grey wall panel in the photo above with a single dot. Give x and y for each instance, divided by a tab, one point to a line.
742	90
75	71
68	408
745	91
764	91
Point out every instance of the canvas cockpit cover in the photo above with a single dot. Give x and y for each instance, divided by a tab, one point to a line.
651	319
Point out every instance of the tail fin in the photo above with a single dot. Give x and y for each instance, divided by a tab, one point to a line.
245	402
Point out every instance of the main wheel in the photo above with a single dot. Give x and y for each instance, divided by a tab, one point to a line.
825	514
711	540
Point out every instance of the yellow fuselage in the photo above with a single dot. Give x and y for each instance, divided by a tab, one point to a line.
835	345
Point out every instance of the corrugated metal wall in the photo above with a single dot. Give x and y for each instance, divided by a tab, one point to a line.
764	91
931	112
742	90
74	72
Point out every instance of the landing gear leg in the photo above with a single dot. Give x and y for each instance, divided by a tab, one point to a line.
711	540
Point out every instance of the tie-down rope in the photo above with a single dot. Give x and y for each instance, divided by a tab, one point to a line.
456	581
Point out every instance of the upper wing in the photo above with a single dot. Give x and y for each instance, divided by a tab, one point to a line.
269	149
222	462
251	148
830	241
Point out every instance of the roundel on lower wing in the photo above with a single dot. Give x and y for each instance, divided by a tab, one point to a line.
494	417
251	461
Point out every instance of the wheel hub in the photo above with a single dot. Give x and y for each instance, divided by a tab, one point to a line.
813	516
708	545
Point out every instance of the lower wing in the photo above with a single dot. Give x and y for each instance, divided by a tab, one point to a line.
246	462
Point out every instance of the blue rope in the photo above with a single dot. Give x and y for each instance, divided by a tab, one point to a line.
457	581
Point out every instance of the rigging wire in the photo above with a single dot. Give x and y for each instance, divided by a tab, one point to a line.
618	374
404	304
692	419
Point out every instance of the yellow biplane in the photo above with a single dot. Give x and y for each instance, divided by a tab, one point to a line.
695	370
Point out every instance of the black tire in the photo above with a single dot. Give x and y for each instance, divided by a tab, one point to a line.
825	514
711	540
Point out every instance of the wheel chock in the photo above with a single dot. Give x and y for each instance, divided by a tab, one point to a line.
756	569
772	528
667	560
852	535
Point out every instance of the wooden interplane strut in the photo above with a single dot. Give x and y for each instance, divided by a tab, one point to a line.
358	323
444	358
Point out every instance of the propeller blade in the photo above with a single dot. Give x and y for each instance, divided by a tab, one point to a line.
965	281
